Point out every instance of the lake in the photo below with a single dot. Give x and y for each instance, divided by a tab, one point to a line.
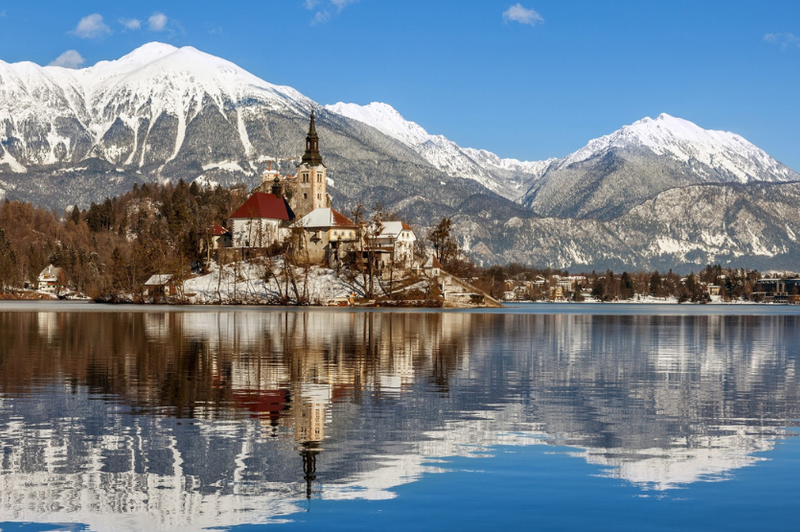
537	417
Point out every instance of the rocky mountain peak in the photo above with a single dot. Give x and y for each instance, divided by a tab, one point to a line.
725	156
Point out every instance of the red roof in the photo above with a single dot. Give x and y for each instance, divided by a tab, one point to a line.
218	230
340	220
435	262
261	205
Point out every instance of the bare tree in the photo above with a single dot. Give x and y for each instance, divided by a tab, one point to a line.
444	245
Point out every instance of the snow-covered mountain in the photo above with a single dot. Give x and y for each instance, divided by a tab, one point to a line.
166	113
509	178
726	156
613	173
117	110
157	110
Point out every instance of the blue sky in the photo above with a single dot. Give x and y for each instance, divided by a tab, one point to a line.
528	80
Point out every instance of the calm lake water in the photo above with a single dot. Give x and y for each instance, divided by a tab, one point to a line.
542	417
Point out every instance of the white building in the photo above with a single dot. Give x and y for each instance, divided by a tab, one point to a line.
51	279
262	220
396	239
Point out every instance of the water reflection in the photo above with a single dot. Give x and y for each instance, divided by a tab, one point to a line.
167	419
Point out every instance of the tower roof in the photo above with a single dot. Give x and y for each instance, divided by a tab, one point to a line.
312	156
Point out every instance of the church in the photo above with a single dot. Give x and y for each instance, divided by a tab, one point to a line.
323	235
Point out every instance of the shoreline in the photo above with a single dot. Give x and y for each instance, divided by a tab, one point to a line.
617	308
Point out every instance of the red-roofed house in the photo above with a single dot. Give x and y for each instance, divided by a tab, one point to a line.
261	221
220	237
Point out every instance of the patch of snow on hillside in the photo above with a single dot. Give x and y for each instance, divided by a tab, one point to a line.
204	182
7	158
513	223
228	166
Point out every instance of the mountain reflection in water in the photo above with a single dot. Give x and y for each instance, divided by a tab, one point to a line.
145	420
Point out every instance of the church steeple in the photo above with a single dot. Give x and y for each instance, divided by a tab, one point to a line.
311	184
312	156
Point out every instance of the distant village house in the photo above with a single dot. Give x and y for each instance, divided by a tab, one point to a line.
51	279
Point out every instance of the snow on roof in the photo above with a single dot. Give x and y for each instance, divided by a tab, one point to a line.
159	279
394	228
325	217
51	272
432	262
261	205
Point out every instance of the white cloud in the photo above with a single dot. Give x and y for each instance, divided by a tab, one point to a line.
131	23
523	15
91	26
157	21
325	9
321	17
69	59
784	40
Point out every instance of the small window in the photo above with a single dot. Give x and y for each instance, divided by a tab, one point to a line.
305	196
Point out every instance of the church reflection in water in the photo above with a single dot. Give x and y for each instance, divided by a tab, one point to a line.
213	418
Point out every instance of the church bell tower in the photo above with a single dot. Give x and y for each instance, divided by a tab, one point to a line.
312	176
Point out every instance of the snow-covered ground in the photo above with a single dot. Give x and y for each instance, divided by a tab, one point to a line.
256	282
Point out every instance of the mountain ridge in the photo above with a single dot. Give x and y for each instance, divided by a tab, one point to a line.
165	113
